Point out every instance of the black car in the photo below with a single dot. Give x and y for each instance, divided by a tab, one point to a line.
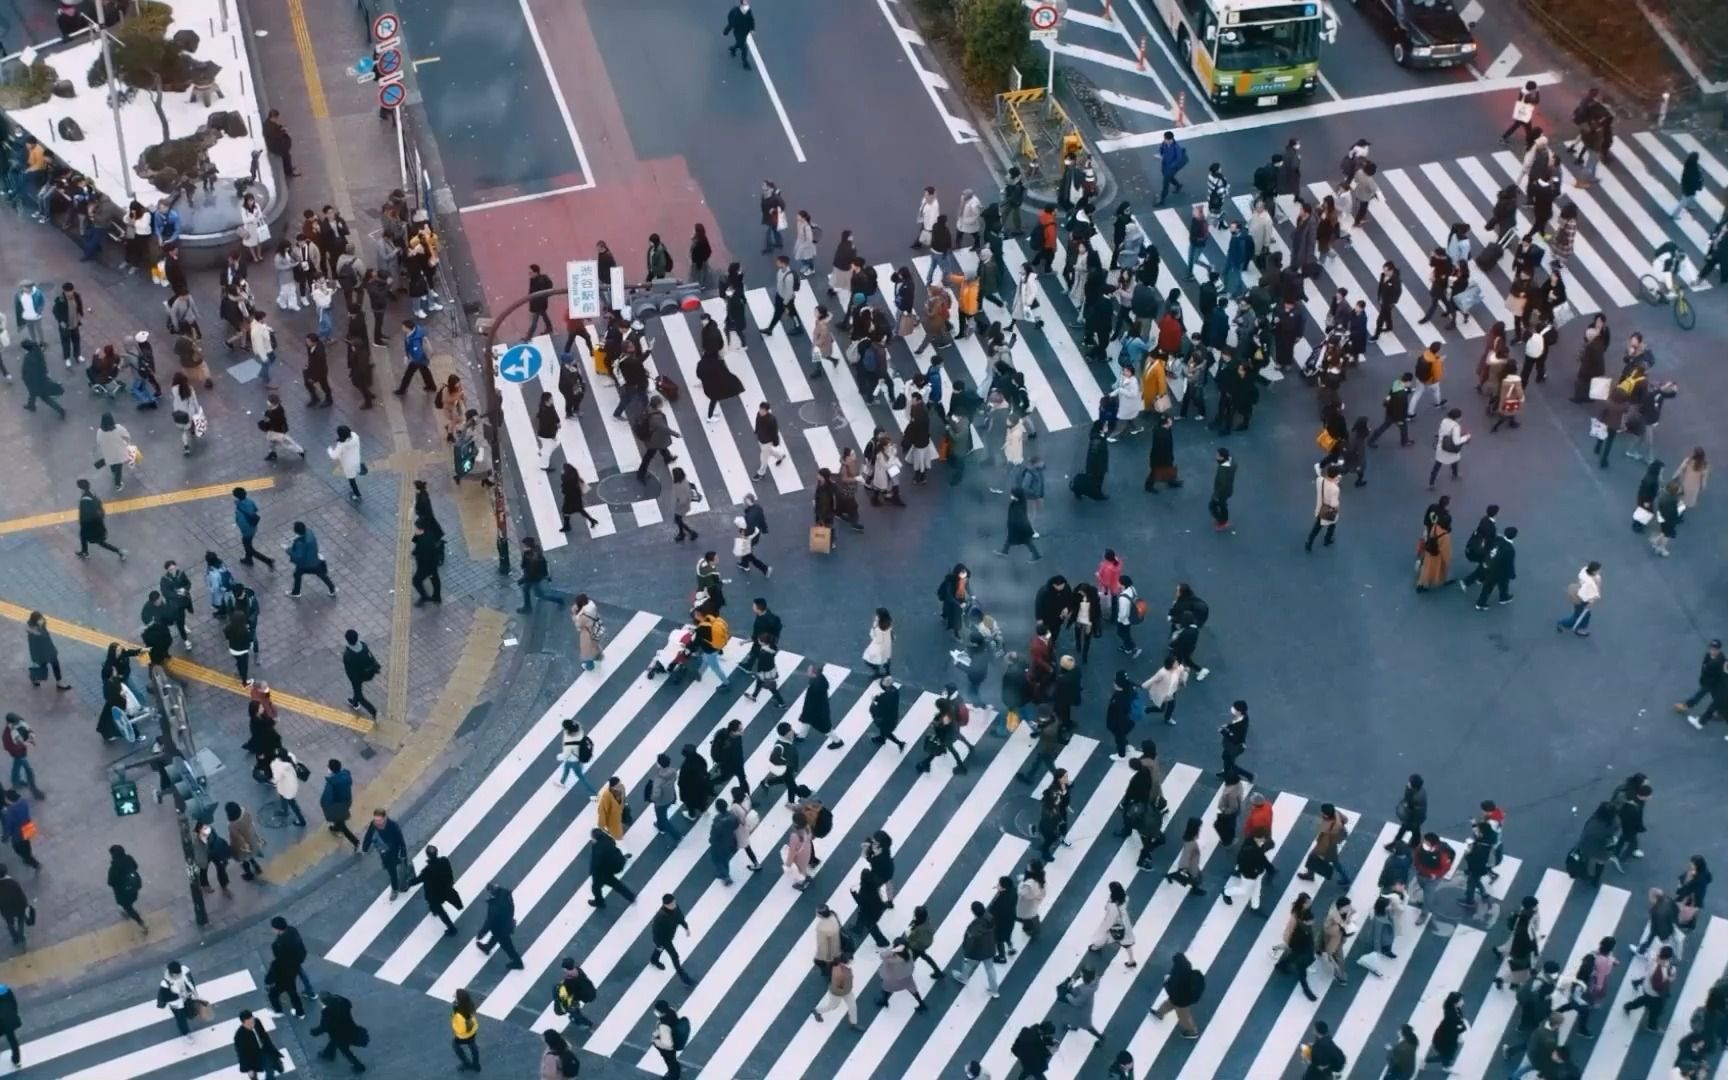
1424	33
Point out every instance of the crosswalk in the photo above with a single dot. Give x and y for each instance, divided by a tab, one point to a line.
749	945
138	1041
1623	219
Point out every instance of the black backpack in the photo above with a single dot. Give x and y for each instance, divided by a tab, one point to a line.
585	750
824	822
569	1064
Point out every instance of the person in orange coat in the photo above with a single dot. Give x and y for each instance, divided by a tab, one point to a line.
610	811
1155	383
1259	819
1047	241
966	289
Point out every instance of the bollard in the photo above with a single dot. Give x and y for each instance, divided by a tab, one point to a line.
1141	62
1181	108
1662	111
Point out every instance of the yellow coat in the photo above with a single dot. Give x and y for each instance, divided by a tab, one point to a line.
1436	368
611	813
967	290
464	1027
1154	384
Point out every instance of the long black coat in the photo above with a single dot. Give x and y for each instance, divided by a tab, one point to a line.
438	879
816	711
718	382
254	1050
693	786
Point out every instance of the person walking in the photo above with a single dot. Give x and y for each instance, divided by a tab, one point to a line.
336	801
465	1031
337	1025
244	843
1449	443
1074	1000
285	778
1583	593
1499	569
303	554
1712	684
33	371
606	861
1223	487
1116	928
392	848
274	425
246	519
437	881
978	946
178	993
346	454
254	1049
671	1031
44	654
287	968
1172	158
667	921
17	739
426	548
125	882
1184	986
361	667
93	523
500	925
1327	498
1411	813
840	991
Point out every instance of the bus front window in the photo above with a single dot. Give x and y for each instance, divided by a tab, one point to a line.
1257	46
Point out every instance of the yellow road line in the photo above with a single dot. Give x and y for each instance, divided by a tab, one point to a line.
198	673
131	506
468	677
308	61
64	959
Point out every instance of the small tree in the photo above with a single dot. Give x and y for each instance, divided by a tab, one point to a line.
996	36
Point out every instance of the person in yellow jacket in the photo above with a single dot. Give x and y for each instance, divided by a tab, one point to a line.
966	289
465	1025
1154	384
611	808
1430	369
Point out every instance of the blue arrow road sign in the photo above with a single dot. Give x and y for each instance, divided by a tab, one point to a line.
520	363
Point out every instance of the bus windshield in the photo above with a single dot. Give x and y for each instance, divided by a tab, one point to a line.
1255	46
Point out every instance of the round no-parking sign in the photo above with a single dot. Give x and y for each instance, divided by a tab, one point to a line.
1044	20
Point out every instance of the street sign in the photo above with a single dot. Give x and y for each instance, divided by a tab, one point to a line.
1045	21
520	363
391	95
389	61
386	26
582	278
363	69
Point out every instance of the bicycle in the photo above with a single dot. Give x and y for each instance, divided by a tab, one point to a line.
1654	290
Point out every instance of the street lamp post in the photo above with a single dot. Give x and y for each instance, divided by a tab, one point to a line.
495	410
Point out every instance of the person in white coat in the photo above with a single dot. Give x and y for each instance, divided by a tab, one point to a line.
179	995
1163	686
879	654
261	338
1116	928
285	777
1449	445
1013	449
969	226
929	209
1127	402
346	455
1583	593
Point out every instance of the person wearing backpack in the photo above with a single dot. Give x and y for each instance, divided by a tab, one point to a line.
671	1036
361	667
1033	1048
1183	988
1325	1060
711	637
575	750
574	990
978	946
559	1061
1588	986
1128	613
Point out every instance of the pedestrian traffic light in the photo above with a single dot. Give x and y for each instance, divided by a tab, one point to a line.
125	795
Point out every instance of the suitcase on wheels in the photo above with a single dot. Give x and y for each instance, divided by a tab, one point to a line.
1490	257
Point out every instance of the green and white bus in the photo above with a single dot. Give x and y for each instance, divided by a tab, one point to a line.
1261	51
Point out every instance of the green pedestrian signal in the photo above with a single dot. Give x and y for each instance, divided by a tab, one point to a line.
125	796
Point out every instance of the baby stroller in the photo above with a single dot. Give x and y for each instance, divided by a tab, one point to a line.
683	642
1336	341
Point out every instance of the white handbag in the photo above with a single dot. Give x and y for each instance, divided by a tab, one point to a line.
1641	516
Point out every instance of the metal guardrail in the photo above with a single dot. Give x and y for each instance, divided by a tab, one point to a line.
1052	132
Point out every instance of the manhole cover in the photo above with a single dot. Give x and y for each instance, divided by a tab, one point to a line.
1024	822
821	414
1443	903
622	489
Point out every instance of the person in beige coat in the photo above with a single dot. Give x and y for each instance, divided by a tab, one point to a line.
1327	500
1328	847
839	991
1163	686
1335	937
586	615
1693	474
827	937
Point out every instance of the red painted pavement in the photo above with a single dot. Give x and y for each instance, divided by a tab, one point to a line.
631	198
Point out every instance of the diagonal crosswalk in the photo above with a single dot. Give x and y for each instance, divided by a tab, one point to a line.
749	945
1623	218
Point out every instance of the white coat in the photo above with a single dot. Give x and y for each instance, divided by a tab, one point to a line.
827	939
1453	428
1114	916
114	447
928	211
287	781
1164	684
254	230
971	216
1014	443
346	455
1128	398
881	648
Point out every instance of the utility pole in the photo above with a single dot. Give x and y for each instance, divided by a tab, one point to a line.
114	102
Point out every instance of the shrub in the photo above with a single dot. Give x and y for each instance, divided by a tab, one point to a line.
28	87
995	36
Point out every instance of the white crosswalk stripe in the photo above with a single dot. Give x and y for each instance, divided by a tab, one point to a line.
1622	220
749	946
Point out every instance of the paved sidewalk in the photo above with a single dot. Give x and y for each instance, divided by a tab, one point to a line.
439	660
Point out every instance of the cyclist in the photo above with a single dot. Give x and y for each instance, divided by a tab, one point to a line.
1668	265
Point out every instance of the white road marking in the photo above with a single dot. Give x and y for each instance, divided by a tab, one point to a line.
773	97
1135	104
1335	108
557	93
517	200
1504	63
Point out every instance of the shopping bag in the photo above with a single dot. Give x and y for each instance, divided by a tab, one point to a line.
821	539
1598	429
1642	516
135	455
1599	388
